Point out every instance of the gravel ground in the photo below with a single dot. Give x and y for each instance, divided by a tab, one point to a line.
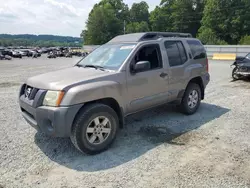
157	148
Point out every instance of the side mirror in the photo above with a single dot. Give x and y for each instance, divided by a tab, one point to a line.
141	66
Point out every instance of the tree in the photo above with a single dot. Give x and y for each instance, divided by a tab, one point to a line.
139	12
186	15
105	21
135	27
160	17
227	19
245	40
209	37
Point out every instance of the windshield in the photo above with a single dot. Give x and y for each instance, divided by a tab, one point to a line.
248	56
108	56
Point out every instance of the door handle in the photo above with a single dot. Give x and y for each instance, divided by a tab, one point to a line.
163	74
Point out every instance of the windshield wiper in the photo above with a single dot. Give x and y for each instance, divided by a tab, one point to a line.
94	66
78	65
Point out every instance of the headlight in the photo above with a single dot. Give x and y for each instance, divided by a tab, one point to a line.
53	98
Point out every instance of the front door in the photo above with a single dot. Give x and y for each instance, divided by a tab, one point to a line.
147	88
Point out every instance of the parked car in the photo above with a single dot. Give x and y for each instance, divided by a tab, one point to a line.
68	55
5	57
241	67
16	54
23	52
89	101
2	57
6	52
52	55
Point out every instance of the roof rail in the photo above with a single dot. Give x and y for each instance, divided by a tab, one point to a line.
137	37
156	35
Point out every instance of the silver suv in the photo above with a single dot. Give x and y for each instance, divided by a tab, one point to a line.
89	101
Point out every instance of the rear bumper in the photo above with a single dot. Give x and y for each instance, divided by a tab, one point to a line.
53	121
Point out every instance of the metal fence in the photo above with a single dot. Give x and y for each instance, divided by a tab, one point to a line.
239	50
90	47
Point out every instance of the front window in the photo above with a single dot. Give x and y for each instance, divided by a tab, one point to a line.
248	56
108	56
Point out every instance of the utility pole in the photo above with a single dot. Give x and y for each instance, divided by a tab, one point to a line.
124	27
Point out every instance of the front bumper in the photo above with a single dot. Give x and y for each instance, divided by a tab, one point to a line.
53	121
243	73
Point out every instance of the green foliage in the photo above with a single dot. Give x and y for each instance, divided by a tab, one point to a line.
139	12
245	40
139	18
160	18
186	15
209	37
213	21
135	27
39	40
227	19
105	21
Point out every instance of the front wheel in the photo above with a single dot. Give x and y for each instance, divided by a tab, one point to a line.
94	129
191	99
235	75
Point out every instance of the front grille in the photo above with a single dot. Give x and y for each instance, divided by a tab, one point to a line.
30	92
244	69
27	113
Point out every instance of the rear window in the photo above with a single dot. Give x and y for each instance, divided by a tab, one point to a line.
176	53
197	49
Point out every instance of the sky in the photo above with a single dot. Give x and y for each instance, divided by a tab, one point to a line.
57	17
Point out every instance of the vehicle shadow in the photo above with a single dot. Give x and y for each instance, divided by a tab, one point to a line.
141	133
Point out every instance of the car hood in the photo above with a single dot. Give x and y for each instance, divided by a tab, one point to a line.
61	79
244	64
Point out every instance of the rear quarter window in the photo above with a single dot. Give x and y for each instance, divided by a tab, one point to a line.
197	49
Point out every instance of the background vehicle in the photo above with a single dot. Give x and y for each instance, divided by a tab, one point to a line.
89	101
5	57
16	54
2	56
68	55
23	52
51	55
6	52
241	67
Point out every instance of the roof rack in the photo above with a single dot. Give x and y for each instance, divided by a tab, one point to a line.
156	35
137	37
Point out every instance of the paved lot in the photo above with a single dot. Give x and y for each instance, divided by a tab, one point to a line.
157	148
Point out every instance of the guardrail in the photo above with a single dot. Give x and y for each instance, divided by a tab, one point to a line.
225	52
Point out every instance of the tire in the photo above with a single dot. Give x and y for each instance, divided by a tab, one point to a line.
84	141
185	107
235	76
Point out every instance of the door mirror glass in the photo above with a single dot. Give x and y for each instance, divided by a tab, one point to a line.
142	66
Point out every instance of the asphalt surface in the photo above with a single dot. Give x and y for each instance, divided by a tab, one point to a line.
157	148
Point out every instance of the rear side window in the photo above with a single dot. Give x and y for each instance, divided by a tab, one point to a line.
197	49
182	51
176	53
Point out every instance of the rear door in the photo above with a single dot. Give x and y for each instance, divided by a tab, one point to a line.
178	60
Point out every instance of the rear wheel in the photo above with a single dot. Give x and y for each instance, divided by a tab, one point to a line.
191	99
95	129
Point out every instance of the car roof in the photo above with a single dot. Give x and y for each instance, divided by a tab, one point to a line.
139	37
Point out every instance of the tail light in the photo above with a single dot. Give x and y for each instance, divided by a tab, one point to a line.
207	65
